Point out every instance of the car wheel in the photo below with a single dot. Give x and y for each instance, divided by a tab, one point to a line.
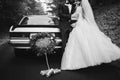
24	53
19	52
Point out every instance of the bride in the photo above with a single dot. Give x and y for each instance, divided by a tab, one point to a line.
87	45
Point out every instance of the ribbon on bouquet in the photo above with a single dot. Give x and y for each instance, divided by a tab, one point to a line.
43	44
49	71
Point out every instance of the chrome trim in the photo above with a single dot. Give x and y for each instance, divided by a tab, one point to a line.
28	29
30	47
11	28
58	46
23	47
58	40
18	41
22	20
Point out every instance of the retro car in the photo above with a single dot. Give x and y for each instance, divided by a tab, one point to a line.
20	34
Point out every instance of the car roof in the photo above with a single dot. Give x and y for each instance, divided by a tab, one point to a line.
37	20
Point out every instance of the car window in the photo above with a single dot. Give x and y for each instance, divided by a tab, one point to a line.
39	20
24	21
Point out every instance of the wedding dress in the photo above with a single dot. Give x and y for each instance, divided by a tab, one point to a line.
87	45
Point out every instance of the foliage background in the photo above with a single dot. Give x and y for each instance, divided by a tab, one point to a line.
107	14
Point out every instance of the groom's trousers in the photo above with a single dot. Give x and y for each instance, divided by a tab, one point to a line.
65	30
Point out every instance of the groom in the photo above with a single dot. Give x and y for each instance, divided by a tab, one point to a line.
66	9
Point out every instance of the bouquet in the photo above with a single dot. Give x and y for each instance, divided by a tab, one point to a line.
44	43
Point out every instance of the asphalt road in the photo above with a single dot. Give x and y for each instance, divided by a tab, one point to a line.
28	68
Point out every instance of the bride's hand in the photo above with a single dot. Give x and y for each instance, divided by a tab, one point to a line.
74	17
73	25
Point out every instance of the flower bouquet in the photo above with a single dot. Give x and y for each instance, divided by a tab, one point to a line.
43	44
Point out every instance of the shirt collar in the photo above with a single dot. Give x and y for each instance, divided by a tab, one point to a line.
68	4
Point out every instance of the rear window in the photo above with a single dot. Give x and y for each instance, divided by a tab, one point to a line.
39	20
24	21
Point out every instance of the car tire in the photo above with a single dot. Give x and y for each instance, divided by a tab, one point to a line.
24	53
19	52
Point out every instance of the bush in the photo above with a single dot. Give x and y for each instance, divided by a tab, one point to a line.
108	19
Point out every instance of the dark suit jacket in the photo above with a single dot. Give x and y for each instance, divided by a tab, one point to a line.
65	19
64	15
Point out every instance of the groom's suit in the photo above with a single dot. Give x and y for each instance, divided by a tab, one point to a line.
65	21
